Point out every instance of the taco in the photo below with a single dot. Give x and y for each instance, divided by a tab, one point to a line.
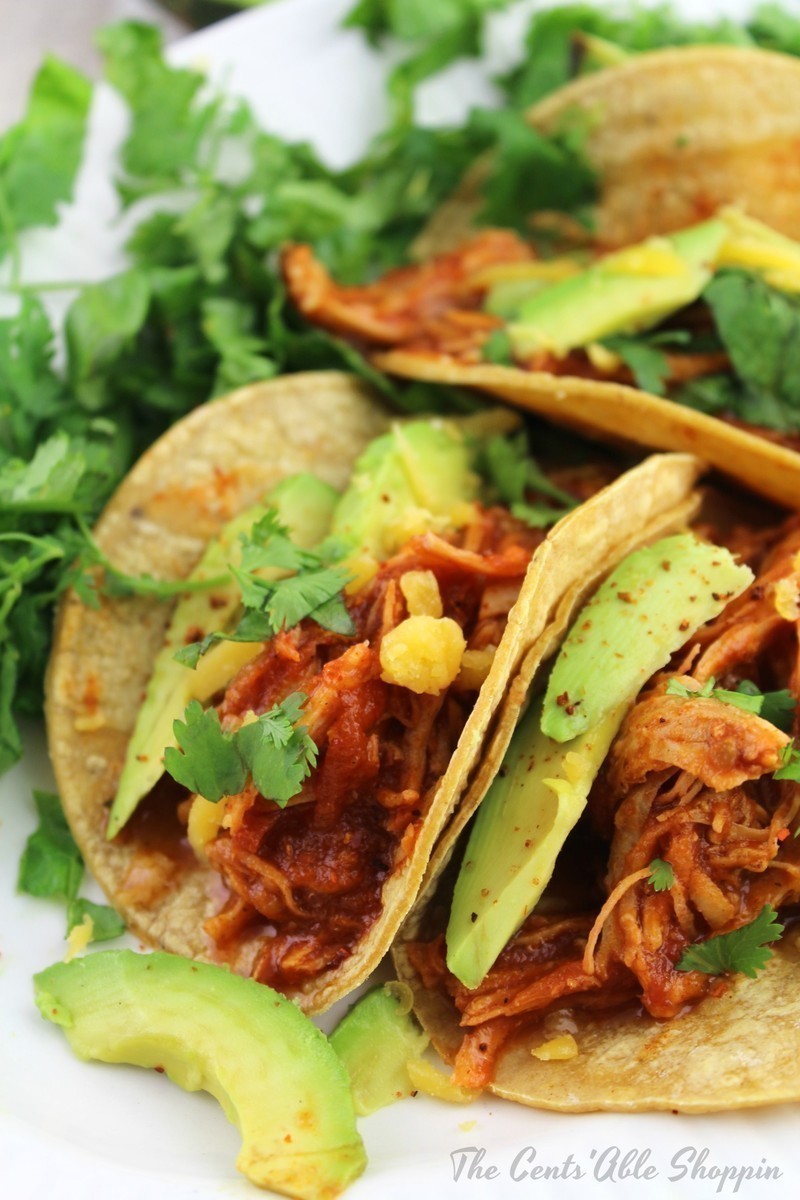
678	309
622	953
355	692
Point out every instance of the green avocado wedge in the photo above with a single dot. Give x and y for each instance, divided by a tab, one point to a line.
305	504
271	1069
416	477
624	292
375	1041
648	607
517	835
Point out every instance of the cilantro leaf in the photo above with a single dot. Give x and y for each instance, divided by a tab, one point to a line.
742	950
777	707
514	473
100	325
760	329
51	863
253	626
208	761
269	544
790	764
441	34
106	922
676	688
279	754
306	594
40	156
662	876
530	172
270	604
645	358
228	325
274	749
168	127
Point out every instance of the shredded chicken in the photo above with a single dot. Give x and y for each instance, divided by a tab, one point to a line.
397	307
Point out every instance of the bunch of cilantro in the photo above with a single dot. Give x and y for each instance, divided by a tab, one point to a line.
201	308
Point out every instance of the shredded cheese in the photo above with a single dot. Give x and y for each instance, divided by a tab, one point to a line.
428	1079
422	595
205	822
558	1049
79	937
786	598
423	654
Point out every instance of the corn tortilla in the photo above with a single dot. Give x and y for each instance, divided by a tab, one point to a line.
737	1050
217	461
672	135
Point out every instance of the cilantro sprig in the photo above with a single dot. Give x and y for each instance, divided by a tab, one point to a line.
790	764
744	951
314	589
515	474
777	707
51	868
662	876
273	749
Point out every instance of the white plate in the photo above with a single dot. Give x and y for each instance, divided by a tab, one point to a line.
83	1132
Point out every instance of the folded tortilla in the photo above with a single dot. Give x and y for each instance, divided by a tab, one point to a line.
733	1050
210	466
673	136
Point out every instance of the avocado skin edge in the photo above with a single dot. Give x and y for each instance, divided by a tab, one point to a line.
270	1068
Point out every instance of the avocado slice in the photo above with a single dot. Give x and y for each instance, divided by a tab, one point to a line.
375	1041
624	292
415	478
305	504
647	608
753	247
269	1067
517	835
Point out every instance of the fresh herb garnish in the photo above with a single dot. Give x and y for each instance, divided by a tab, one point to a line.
51	865
51	868
645	358
106	922
313	590
661	876
790	764
40	156
760	329
273	749
512	471
743	950
777	707
208	761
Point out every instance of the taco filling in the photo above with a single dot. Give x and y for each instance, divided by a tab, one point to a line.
358	698
670	883
385	708
702	316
